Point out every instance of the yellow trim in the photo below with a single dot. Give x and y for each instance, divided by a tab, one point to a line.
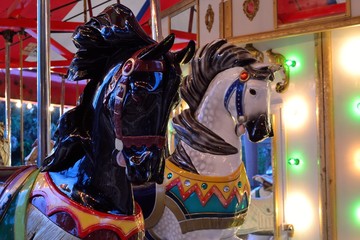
220	182
86	219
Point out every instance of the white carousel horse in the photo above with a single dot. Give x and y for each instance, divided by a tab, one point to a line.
206	192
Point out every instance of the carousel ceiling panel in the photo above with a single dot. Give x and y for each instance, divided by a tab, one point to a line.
19	17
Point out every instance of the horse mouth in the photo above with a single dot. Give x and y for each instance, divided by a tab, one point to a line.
259	129
147	166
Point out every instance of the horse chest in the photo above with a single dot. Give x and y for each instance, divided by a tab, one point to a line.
204	202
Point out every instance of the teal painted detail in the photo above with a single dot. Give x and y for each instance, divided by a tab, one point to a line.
204	186
13	225
245	202
193	204
169	175
239	184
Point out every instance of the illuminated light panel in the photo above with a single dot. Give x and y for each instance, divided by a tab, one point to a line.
357	107
349	56
357	159
296	112
354	212
353	108
299	211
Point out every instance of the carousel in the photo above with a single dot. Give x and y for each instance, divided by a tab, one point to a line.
166	120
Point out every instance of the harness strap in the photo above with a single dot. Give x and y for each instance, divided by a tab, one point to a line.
238	87
131	65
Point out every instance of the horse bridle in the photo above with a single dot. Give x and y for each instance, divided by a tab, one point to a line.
133	64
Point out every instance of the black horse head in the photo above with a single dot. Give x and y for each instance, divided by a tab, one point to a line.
140	97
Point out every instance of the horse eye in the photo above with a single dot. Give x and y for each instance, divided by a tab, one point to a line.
252	91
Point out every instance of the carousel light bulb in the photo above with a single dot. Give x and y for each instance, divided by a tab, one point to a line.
18	104
294	161
51	108
29	106
290	63
357	107
357	159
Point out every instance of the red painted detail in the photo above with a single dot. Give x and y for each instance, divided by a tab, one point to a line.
244	76
53	195
58	26
184	35
214	190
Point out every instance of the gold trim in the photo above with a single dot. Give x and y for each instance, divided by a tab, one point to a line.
211	223
221	17
225	19
325	121
209	18
259	55
279	59
315	27
250	15
158	209
228	19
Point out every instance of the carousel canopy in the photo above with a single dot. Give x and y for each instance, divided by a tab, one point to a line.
18	27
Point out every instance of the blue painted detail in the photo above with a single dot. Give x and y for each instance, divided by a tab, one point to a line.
143	10
236	87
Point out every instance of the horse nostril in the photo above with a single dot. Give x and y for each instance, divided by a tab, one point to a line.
252	91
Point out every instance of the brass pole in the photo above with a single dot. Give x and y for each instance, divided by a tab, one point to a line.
21	100
156	31
43	78
8	36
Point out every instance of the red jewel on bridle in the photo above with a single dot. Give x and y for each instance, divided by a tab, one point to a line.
128	67
244	76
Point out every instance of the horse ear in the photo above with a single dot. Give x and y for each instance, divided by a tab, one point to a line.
159	49
184	55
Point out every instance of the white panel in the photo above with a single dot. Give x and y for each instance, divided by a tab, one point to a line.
165	26
355	8
206	36
262	22
346	75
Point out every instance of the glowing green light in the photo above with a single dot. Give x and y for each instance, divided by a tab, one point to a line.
357	107
357	214
355	209
294	161
290	63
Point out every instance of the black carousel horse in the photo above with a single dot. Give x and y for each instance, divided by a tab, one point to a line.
114	138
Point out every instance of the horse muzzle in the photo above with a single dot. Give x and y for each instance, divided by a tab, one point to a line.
144	165
259	128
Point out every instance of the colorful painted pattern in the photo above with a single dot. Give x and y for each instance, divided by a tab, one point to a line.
87	220
207	197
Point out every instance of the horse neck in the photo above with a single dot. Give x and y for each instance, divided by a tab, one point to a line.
212	114
95	180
